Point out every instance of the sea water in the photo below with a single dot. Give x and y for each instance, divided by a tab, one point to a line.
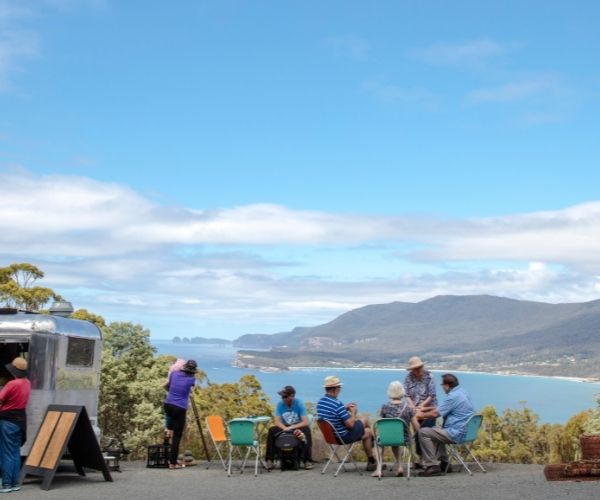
555	400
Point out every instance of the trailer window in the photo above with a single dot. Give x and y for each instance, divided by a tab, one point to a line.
80	352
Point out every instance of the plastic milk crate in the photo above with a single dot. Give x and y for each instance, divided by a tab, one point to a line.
158	456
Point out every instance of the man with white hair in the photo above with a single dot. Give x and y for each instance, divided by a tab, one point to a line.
348	426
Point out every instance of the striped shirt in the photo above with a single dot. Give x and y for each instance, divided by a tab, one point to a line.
333	410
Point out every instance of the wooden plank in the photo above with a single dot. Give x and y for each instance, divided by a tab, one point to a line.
58	441
45	433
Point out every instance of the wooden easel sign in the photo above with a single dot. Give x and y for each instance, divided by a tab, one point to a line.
64	428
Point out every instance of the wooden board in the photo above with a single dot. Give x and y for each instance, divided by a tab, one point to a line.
64	428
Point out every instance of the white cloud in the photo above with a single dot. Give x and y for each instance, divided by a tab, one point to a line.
466	53
518	90
17	44
395	94
350	46
108	248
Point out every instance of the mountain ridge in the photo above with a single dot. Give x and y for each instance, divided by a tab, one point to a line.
482	332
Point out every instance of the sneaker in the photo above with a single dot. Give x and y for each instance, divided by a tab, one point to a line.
432	470
269	464
308	465
6	489
445	467
16	487
371	465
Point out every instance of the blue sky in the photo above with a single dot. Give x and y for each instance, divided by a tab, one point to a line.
219	168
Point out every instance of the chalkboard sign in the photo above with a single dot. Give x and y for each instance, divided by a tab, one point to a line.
64	428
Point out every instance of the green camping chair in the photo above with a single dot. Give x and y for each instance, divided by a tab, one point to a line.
473	426
242	435
390	432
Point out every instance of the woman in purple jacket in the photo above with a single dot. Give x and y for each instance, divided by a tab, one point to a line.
180	384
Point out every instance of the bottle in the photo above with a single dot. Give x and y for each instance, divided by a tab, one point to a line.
300	435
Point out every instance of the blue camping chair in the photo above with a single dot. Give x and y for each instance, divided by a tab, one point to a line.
462	451
390	432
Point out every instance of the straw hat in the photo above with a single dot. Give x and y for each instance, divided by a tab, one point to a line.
415	362
332	381
18	367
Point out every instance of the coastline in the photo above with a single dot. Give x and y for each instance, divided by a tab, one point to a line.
474	372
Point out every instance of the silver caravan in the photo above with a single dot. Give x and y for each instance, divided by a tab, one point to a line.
64	362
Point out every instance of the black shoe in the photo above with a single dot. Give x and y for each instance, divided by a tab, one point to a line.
432	470
417	466
445	467
371	465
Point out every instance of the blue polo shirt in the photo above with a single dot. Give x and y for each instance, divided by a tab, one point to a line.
457	409
291	415
332	409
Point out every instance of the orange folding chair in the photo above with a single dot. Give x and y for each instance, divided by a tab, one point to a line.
218	436
333	439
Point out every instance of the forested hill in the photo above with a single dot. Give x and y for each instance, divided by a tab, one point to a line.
471	332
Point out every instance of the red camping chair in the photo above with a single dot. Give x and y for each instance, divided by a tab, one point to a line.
332	438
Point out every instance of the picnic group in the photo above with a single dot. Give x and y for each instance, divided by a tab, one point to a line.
414	401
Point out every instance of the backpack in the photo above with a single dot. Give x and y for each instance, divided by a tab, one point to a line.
288	449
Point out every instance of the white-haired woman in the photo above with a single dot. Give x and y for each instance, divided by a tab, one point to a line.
397	407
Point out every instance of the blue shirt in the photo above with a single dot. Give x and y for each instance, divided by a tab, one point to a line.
456	409
180	385
332	409
291	415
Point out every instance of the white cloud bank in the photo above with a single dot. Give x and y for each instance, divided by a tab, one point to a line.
114	251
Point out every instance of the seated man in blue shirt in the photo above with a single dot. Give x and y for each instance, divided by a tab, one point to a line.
456	410
290	416
349	427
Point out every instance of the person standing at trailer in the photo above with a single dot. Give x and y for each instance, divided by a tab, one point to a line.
13	423
179	385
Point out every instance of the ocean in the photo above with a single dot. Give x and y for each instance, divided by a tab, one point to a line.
555	400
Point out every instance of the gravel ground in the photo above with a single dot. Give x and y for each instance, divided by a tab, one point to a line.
502	481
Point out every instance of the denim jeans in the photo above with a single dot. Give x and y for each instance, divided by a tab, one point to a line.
10	453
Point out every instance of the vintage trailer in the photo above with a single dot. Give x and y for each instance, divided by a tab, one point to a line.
64	362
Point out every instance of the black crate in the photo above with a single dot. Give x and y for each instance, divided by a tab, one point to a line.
158	456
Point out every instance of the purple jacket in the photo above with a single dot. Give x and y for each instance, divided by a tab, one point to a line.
180	385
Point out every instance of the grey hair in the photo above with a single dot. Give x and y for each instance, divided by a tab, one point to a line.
395	390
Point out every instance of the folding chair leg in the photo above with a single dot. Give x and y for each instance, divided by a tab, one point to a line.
408	452
257	452
476	461
245	460
223	462
330	458
229	461
456	455
348	455
379	457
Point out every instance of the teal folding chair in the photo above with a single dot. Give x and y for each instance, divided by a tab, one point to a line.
242	435
462	451
390	432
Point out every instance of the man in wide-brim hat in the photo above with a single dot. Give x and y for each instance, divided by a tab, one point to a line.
13	423
419	386
348	426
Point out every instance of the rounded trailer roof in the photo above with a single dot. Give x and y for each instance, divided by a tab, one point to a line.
26	324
